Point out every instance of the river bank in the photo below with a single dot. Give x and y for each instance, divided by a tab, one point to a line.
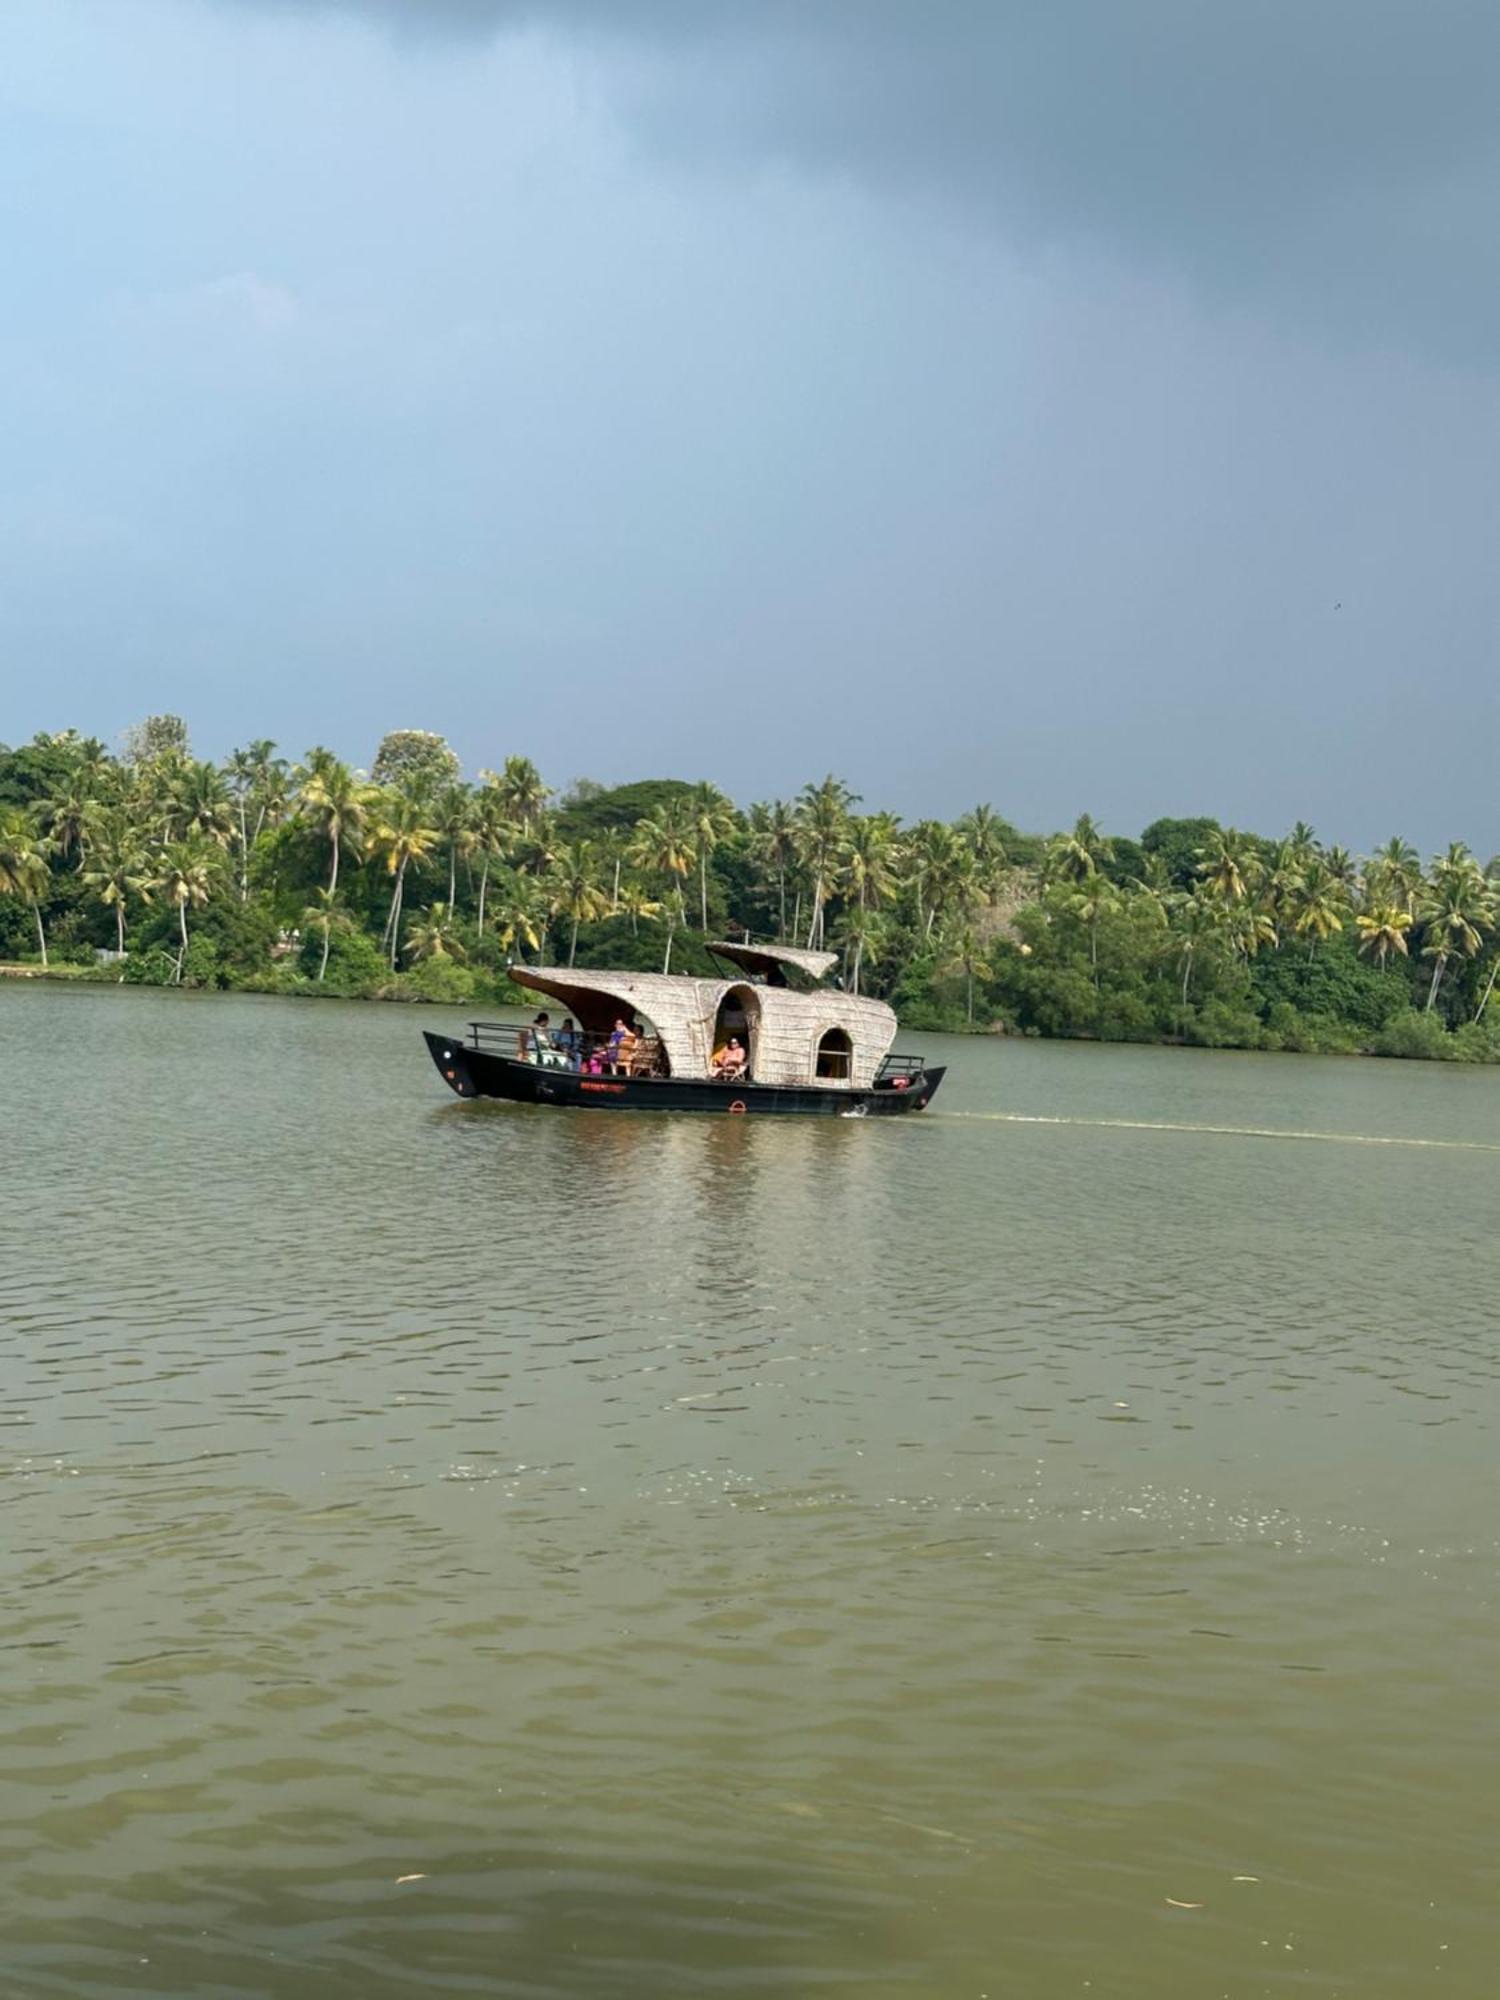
1411	1036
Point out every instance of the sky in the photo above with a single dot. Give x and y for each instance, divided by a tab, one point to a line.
1068	405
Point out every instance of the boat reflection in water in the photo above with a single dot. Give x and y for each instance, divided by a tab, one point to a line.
768	1038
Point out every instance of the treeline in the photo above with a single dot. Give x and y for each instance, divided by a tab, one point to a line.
310	876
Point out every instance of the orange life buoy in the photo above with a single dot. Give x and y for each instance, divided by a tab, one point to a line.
738	1104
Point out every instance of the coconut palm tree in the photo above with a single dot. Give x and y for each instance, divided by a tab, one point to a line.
869	859
433	936
1394	873
1383	929
634	902
450	814
324	914
1318	905
203	807
519	918
400	834
24	869
491	829
576	891
713	820
66	815
1248	928
1073	857
822	811
862	936
1095	897
185	873
1455	912
664	845
1196	925
774	844
935	858
117	867
966	954
1230	866
520	786
246	773
1342	869
981	830
337	803
1301	846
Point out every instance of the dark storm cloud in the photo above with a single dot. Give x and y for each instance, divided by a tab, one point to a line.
1339	159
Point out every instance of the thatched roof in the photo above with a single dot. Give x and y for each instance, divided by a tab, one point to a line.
763	957
784	1027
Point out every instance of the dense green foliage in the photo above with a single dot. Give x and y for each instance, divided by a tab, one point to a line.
311	878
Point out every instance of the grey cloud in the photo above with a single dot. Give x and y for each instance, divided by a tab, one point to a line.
1339	160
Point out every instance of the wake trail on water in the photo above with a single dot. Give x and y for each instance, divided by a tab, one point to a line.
1226	1131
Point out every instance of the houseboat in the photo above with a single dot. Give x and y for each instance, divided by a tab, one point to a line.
770	1036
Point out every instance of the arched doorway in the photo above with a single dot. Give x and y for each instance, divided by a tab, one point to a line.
835	1060
738	1018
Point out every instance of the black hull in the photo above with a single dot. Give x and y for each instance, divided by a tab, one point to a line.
471	1072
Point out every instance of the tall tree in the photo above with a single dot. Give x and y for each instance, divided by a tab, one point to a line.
822	813
336	803
400	834
576	890
713	820
664	846
185	873
117	867
25	872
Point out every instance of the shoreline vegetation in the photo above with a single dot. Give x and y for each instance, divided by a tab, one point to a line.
308	877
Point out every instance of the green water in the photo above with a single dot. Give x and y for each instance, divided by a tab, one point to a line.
906	1558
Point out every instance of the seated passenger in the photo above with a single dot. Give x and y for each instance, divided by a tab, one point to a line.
730	1065
568	1042
620	1038
532	1041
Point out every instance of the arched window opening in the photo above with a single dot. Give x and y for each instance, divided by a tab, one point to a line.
736	1033
835	1056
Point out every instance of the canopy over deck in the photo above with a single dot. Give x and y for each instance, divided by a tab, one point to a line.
770	959
785	1029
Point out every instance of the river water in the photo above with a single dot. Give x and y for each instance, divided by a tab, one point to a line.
466	1550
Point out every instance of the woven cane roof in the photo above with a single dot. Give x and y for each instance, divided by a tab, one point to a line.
784	1026
762	957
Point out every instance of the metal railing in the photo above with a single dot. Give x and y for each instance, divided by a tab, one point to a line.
898	1069
575	1049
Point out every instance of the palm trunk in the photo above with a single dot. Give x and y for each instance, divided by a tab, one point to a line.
452	874
614	901
484	883
333	873
244	854
41	934
796	914
1437	980
1488	990
182	926
781	883
817	910
573	943
1187	973
120	928
703	886
327	932
970	971
393	922
666	964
